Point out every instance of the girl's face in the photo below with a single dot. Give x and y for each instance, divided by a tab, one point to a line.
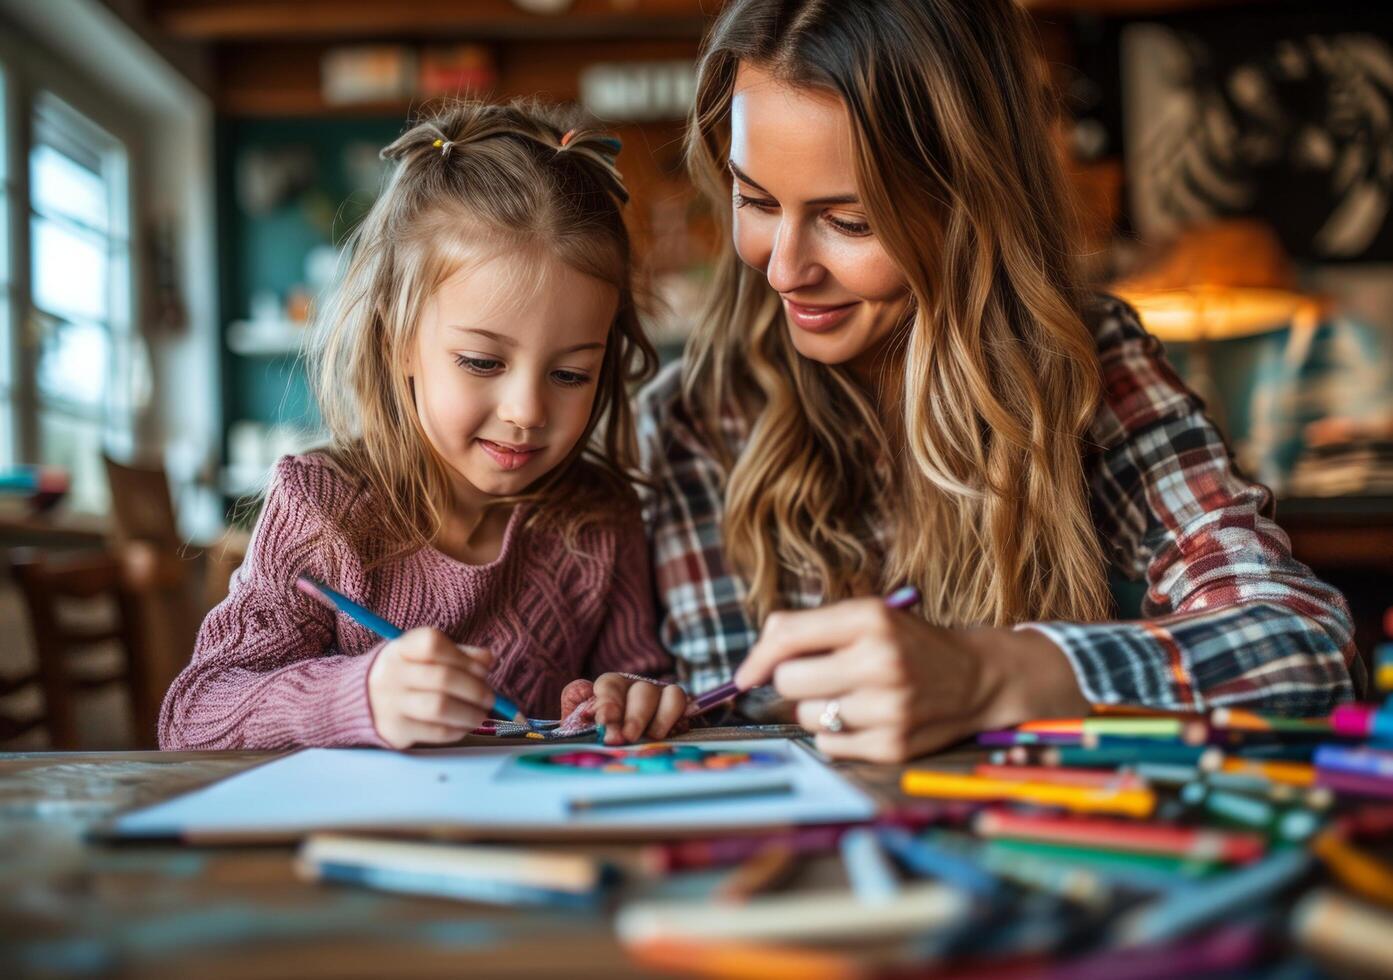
799	220
505	367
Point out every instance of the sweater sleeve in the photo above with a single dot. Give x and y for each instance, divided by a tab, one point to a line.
628	640
264	674
1230	616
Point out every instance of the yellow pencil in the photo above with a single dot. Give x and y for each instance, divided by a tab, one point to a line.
1080	799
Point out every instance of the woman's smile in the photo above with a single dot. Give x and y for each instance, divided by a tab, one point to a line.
817	319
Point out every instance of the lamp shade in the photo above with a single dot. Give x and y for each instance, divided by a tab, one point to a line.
1219	281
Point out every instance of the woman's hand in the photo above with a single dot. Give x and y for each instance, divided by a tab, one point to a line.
900	686
630	709
425	689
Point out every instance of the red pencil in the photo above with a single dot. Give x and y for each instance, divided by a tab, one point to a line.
1120	835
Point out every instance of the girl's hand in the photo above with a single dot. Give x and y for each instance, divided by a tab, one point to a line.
630	709
425	689
901	686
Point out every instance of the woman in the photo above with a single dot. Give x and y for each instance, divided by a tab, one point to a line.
898	380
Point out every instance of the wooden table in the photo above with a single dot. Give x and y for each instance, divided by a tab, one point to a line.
72	907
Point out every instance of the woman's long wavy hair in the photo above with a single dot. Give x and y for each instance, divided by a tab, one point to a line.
473	180
986	508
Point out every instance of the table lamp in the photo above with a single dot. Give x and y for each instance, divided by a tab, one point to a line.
1216	282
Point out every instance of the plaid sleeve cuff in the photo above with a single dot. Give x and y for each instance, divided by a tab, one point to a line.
1262	655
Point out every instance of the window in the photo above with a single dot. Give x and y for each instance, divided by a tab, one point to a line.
8	453
80	294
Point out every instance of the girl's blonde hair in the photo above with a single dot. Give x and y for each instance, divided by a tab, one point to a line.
987	511
471	180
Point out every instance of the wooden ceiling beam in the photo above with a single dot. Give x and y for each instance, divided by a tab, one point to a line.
231	20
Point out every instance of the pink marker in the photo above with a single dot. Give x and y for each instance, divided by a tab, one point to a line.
1362	721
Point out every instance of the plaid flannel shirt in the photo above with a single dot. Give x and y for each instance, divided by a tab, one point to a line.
1229	617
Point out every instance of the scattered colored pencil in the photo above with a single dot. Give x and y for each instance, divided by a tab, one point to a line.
1082	799
1183	842
821	916
760	873
1170	917
1098	778
1362	721
1357	871
873	879
1339	928
1251	721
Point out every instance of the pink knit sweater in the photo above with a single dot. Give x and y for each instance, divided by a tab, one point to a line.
273	668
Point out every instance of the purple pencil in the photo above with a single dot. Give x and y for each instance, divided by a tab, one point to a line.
1009	738
901	598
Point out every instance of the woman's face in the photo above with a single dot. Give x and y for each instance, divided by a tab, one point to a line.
799	220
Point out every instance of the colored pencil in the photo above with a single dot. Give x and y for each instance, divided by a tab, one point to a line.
1251	721
901	598
374	623
581	804
501	876
1122	755
1043	872
1362	721
760	873
1368	820
1098	778
1337	927
926	860
1167	773
1291	773
1357	871
1008	738
1295	824
868	870
1183	842
822	916
1355	784
717	852
1083	799
1126	869
1172	916
1361	760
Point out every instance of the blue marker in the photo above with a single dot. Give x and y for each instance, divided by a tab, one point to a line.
369	620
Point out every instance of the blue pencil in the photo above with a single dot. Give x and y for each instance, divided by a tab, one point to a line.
369	620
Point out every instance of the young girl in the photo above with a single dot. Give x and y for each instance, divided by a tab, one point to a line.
483	333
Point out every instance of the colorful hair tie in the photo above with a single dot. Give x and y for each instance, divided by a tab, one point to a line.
612	143
437	144
567	138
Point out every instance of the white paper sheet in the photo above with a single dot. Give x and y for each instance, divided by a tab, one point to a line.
476	789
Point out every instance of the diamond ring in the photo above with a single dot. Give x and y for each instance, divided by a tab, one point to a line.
831	717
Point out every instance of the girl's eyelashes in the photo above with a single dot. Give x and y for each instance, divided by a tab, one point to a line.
857	229
488	366
478	365
571	379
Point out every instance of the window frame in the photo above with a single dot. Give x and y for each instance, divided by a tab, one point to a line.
30	71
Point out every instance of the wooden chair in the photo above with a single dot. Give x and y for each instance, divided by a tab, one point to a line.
47	584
